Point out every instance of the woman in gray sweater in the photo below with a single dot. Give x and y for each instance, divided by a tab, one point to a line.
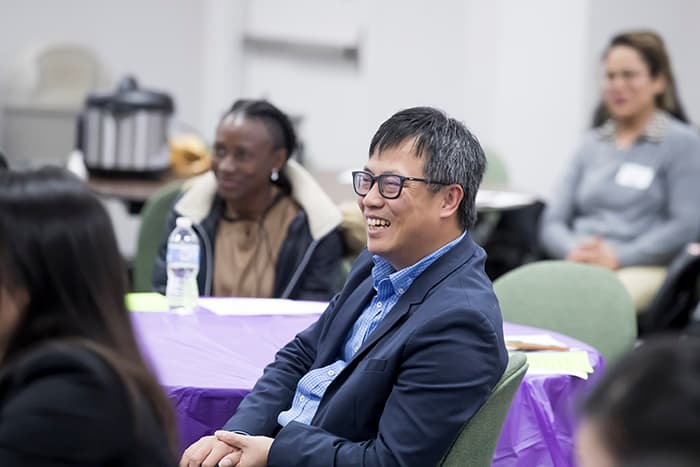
629	201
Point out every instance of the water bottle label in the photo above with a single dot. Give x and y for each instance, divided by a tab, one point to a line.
187	254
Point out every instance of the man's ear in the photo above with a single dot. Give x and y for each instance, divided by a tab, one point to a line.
451	198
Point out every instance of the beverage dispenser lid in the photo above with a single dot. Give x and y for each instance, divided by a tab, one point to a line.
130	98
98	99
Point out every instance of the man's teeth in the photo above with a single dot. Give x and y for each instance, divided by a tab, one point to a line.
378	222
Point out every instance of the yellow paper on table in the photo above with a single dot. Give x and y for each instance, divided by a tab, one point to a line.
574	363
148	301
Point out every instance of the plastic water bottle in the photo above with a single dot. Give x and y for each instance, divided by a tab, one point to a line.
182	260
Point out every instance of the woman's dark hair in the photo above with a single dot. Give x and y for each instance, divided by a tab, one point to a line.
277	123
57	244
665	459
648	404
651	48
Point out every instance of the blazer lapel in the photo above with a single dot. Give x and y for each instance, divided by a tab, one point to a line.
390	320
348	313
439	270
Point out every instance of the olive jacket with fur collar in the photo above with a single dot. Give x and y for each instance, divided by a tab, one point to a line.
309	263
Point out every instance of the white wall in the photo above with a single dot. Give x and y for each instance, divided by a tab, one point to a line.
312	78
416	56
525	84
402	61
522	75
160	41
487	63
221	72
678	22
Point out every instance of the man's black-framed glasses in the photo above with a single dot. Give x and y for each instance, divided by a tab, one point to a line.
390	185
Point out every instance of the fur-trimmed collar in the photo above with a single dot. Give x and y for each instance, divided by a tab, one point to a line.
321	211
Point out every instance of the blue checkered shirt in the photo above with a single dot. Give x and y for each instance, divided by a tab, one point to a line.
389	285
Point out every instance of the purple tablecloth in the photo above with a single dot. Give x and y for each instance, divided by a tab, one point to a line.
538	430
207	363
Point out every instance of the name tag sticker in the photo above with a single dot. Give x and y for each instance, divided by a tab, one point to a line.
633	175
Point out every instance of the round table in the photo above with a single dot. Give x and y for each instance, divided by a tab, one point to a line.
207	363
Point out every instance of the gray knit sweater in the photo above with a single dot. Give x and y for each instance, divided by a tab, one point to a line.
644	201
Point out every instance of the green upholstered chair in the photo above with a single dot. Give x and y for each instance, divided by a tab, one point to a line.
496	174
153	217
476	442
586	302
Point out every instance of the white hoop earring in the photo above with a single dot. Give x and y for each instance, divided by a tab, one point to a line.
275	175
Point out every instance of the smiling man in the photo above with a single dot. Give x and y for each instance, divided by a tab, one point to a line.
413	344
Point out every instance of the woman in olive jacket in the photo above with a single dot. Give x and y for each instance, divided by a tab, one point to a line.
266	228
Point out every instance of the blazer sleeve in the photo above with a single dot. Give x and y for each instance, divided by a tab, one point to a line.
451	365
323	275
274	391
62	411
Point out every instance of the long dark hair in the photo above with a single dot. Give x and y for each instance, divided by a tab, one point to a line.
651	48
57	244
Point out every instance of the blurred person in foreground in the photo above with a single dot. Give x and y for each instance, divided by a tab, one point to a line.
646	409
411	347
74	389
629	199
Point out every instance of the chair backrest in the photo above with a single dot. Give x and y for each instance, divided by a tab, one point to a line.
476	442
673	305
514	240
586	302
66	73
495	176
153	217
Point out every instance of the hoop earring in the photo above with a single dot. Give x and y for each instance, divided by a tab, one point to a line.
275	175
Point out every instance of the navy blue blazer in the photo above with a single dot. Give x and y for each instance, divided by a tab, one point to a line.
402	399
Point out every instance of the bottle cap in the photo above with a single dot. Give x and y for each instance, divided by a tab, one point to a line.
184	222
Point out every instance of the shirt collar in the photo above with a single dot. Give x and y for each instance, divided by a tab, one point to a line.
655	131
402	279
